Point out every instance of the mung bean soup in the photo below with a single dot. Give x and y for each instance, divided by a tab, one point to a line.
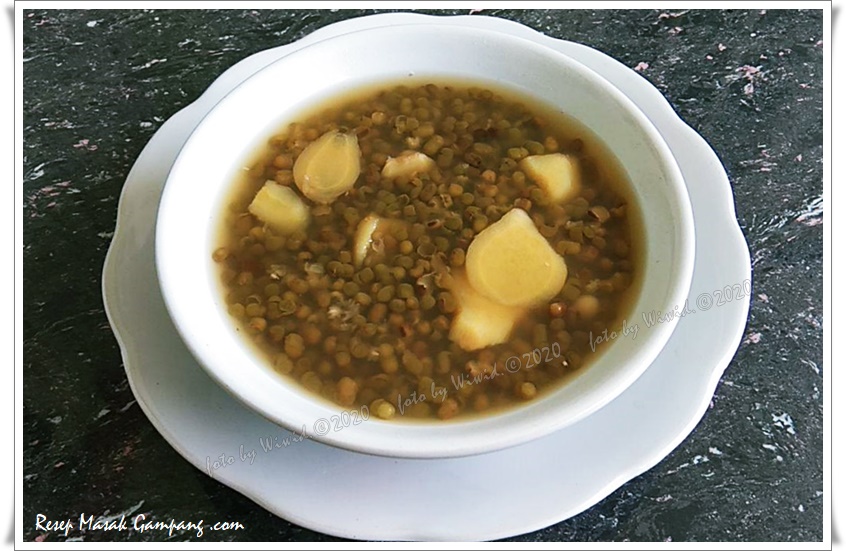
430	251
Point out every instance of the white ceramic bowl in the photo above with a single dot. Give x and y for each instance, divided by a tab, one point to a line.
201	177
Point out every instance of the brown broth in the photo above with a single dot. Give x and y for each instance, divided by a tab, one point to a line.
321	319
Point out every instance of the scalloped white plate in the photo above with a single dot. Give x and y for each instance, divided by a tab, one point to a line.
483	497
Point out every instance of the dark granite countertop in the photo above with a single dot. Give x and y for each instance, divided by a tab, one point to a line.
97	85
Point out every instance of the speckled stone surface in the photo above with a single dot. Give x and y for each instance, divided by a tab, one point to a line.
97	85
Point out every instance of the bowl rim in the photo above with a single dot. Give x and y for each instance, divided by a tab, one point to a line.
456	440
